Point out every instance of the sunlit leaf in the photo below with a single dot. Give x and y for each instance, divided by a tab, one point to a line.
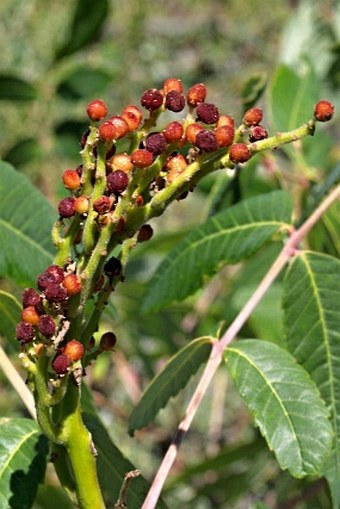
312	325
170	381
23	456
285	403
226	238
26	219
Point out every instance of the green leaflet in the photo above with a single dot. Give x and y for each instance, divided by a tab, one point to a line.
170	381
26	219
285	403
23	452
10	311
312	326
228	237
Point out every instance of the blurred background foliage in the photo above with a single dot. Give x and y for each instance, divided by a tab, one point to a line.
56	57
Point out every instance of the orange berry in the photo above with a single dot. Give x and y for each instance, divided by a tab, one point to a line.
172	84
239	153
196	94
176	165
173	132
121	162
253	116
71	180
141	158
132	116
96	109
120	125
72	284
81	204
107	131
224	135
225	120
191	132
74	350
323	111
30	315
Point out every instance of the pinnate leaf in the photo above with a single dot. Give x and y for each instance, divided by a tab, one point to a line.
23	455
227	237
312	326
285	403
170	381
26	219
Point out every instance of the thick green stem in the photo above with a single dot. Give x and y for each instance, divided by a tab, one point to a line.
79	446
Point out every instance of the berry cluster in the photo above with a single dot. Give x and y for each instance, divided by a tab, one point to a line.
130	171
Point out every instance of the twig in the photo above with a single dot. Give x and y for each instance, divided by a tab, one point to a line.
219	346
17	382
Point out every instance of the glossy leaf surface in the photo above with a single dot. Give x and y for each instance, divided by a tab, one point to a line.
26	219
23	455
227	238
312	326
285	404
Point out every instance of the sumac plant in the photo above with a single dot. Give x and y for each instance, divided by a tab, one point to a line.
134	165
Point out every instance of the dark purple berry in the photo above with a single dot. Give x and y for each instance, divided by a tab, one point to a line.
174	101
61	363
57	272
156	143
44	280
206	141
30	297
66	207
107	341
207	113
113	267
117	181
55	293
152	99
46	325
24	332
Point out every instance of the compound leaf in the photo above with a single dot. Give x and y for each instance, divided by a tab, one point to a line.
285	403
227	237
312	326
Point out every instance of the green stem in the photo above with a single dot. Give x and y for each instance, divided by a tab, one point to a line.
78	444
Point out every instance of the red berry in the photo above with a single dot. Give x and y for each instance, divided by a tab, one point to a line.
71	180
192	131
46	326
156	143
224	135
253	116
96	109
74	350
206	141
107	131
103	204
152	99
132	116
323	111
117	181
174	101
66	207
30	297
196	94
120	125
141	158
81	204
108	341
207	113
171	84
145	233
72	284
30	315
173	132
61	363
24	332
239	153
257	132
